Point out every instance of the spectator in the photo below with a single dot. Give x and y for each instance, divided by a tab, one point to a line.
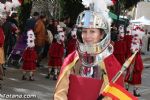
40	37
10	32
2	60
30	23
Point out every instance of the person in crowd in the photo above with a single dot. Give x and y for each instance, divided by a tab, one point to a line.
86	71
56	54
120	46
29	57
145	43
55	24
50	24
128	40
148	45
30	23
62	23
47	44
2	38
134	72
10	31
71	42
40	37
114	33
14	18
50	37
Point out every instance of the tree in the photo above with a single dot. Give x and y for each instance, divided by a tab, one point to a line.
71	8
24	13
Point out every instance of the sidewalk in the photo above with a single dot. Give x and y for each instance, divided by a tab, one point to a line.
146	60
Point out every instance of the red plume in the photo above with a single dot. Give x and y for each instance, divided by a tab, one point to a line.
21	1
114	1
110	2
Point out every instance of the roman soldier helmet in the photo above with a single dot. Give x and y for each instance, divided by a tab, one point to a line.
95	17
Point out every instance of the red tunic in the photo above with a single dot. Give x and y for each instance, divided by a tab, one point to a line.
134	72
71	45
120	51
83	88
56	53
29	59
1	37
128	40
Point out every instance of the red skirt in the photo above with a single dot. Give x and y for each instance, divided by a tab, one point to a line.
55	62
29	66
134	76
134	79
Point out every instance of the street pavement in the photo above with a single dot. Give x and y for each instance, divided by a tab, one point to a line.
42	89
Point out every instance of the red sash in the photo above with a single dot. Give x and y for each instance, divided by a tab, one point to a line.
83	88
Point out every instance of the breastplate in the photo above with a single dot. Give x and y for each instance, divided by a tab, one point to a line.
94	71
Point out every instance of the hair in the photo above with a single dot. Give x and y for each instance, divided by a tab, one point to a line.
13	15
62	19
1	23
36	14
2	20
43	16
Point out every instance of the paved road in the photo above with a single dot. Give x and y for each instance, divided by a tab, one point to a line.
43	88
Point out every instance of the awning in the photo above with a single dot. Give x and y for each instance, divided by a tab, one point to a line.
142	20
114	16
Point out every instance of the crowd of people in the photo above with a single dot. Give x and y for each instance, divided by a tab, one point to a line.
44	36
83	58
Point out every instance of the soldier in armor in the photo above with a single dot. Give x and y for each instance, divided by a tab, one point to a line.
86	71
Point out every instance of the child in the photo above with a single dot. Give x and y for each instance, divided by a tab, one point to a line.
71	43
56	54
120	46
134	72
29	57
